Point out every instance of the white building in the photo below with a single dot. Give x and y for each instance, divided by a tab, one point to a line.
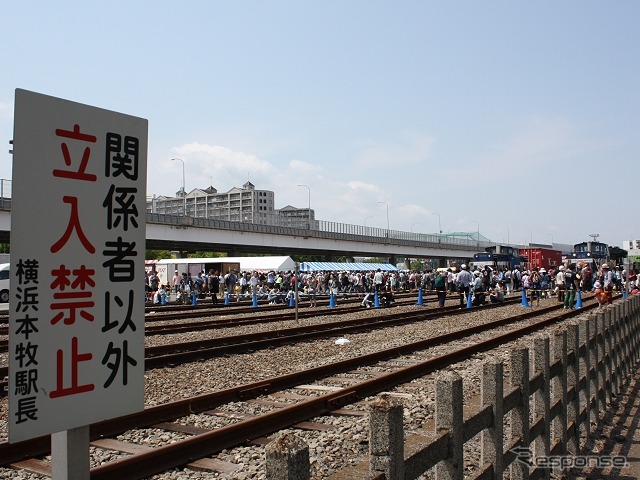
240	204
632	246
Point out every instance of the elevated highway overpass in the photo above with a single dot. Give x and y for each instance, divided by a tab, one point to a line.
331	240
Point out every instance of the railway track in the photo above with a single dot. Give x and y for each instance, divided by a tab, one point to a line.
177	353
159	313
199	443
231	316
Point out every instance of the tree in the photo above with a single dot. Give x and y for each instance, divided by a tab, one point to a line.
156	254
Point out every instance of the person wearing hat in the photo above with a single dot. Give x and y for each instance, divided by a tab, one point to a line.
560	283
607	284
570	287
545	283
599	293
463	279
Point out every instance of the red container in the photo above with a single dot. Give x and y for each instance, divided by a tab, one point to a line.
541	257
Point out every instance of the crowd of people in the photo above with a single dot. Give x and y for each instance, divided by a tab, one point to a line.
484	284
562	282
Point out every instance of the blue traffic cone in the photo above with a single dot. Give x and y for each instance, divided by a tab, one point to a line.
376	300
332	300
420	299
469	299
255	300
226	298
525	300
163	300
579	299
292	300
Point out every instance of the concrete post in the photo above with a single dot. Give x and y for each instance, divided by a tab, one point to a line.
618	312
622	312
386	438
617	357
573	381
595	379
633	313
559	391
585	372
634	332
449	418
287	458
602	362
492	395
70	454
520	414
541	398
608	355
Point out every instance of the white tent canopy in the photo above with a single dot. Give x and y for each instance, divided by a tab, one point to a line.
274	263
277	264
344	267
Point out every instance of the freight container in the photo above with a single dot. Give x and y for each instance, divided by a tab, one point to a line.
539	257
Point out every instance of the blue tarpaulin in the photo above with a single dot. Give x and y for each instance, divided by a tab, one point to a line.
344	267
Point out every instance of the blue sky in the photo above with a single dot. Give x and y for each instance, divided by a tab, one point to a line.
520	118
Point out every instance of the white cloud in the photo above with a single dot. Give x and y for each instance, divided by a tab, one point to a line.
215	157
302	167
215	165
363	187
412	210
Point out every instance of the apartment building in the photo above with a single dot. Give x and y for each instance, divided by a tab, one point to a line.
240	204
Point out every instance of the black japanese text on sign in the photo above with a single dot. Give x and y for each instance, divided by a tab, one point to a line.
77	306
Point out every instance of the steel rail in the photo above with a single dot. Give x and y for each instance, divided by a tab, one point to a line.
10	453
202	445
247	306
250	319
161	355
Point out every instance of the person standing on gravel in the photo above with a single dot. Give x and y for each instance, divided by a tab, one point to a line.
560	283
508	280
570	287
440	284
378	280
463	280
607	285
451	281
214	285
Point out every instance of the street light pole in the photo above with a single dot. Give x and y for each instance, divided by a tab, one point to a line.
387	217
439	225
184	192
309	212
478	235
551	235
504	226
